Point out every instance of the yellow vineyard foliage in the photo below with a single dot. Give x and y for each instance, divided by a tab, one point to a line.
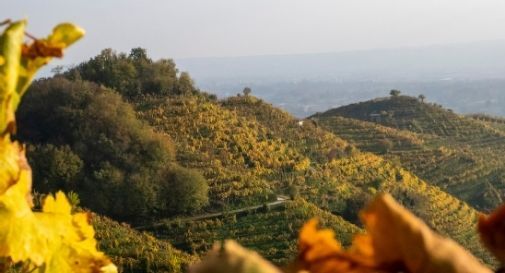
395	241
53	240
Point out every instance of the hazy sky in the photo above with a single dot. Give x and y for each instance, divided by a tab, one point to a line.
200	28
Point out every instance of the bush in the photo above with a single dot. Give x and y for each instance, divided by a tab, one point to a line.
182	191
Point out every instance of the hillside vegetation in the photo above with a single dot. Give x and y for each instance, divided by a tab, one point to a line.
141	144
133	251
272	231
460	154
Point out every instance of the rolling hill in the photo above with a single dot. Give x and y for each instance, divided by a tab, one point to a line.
244	154
134	251
460	154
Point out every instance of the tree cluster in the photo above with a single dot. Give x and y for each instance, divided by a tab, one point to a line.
86	138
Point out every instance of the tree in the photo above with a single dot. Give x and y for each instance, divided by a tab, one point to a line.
134	75
139	55
395	93
54	167
246	91
182	191
422	98
185	84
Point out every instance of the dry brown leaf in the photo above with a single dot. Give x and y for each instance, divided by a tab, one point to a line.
40	48
319	252
232	258
398	236
396	241
492	232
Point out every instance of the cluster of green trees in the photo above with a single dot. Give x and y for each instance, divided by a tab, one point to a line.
134	75
87	138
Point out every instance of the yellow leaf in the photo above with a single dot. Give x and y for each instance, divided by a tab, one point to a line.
10	50
21	238
40	52
53	240
57	205
65	34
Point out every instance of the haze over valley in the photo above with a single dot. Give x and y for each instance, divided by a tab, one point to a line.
469	78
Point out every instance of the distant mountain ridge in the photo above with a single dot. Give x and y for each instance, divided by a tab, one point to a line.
478	60
469	78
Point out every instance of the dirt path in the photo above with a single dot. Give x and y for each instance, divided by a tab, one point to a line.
280	200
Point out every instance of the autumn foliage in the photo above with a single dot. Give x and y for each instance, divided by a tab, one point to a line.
395	241
54	239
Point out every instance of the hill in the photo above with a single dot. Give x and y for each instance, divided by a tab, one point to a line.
153	132
457	153
338	179
133	251
272	231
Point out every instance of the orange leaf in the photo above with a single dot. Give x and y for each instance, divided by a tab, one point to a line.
397	241
492	232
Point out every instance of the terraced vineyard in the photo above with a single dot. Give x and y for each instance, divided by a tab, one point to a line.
237	155
271	231
459	154
133	251
340	182
330	165
302	135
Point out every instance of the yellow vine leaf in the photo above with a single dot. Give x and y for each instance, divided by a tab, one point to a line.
10	49
396	241
40	52
53	240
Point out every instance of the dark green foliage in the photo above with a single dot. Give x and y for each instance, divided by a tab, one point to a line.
120	156
354	205
395	93
247	91
134	75
182	191
54	167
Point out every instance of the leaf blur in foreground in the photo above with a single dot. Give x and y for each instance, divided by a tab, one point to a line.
396	241
492	232
231	257
53	240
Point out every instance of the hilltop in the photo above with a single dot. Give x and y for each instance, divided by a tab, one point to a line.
457	153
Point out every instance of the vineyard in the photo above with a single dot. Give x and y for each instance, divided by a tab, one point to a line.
459	154
238	155
270	231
